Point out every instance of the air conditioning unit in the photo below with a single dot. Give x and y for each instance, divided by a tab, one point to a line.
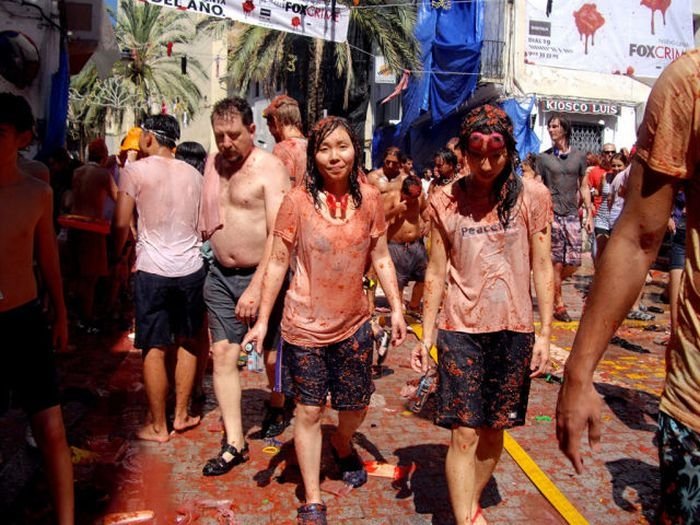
83	21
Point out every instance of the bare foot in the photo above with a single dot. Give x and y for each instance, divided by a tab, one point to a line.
180	425
149	433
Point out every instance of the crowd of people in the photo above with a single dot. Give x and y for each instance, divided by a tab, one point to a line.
244	252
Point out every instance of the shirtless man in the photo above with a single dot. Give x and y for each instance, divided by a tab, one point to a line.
243	188
92	183
453	146
387	179
446	168
405	238
284	122
165	193
27	234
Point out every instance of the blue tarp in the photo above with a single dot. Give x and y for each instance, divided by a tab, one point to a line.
519	113
450	41
55	133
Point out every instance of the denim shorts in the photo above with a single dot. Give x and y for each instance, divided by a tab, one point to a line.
168	309
677	261
344	369
483	379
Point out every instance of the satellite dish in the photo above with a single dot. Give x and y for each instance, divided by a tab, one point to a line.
19	58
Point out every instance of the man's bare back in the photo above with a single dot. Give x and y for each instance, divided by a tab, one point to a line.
23	207
247	197
91	185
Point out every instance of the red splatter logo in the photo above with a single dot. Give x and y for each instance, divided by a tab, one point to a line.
588	20
296	21
656	5
248	6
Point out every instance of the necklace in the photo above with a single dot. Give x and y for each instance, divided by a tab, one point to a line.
333	203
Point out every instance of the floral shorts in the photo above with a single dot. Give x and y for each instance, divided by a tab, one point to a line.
484	379
679	461
344	369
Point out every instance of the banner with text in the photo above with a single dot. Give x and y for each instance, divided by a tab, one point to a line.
312	18
629	38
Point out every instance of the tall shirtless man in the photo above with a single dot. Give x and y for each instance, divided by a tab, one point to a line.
27	234
243	188
284	122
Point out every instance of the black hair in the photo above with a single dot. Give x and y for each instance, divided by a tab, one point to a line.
506	189
164	128
314	180
447	156
408	182
15	111
193	153
392	150
227	107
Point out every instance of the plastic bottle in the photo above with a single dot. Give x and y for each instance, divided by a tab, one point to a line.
422	392
255	360
383	348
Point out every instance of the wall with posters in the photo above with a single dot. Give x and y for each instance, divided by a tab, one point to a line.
634	38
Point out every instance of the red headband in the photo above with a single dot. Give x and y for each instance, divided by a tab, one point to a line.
493	142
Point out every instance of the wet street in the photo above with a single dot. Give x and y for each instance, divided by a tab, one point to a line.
105	404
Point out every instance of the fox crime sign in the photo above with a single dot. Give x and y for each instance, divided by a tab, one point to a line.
314	18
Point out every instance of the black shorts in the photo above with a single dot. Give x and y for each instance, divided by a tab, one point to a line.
344	369
410	260
222	290
483	379
168	309
29	369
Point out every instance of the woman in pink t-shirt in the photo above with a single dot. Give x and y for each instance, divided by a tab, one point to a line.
489	231
335	226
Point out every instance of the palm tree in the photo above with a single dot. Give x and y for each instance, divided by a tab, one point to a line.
145	76
325	74
150	75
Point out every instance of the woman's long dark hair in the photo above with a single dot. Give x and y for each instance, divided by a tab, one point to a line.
314	180
507	186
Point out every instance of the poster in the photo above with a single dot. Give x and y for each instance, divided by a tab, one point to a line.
628	37
312	18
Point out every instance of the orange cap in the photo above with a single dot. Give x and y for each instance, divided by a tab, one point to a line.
131	141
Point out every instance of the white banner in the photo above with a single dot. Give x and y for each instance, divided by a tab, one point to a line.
312	18
628	37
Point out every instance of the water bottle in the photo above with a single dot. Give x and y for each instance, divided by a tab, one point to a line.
255	360
383	348
422	392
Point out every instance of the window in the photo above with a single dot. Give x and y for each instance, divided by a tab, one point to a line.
587	137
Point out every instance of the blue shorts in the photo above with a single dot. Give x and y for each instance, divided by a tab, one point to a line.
679	462
168	309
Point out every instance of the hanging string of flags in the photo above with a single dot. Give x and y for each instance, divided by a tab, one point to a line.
325	19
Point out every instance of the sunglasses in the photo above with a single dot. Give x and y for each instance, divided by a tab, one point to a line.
607	152
492	142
